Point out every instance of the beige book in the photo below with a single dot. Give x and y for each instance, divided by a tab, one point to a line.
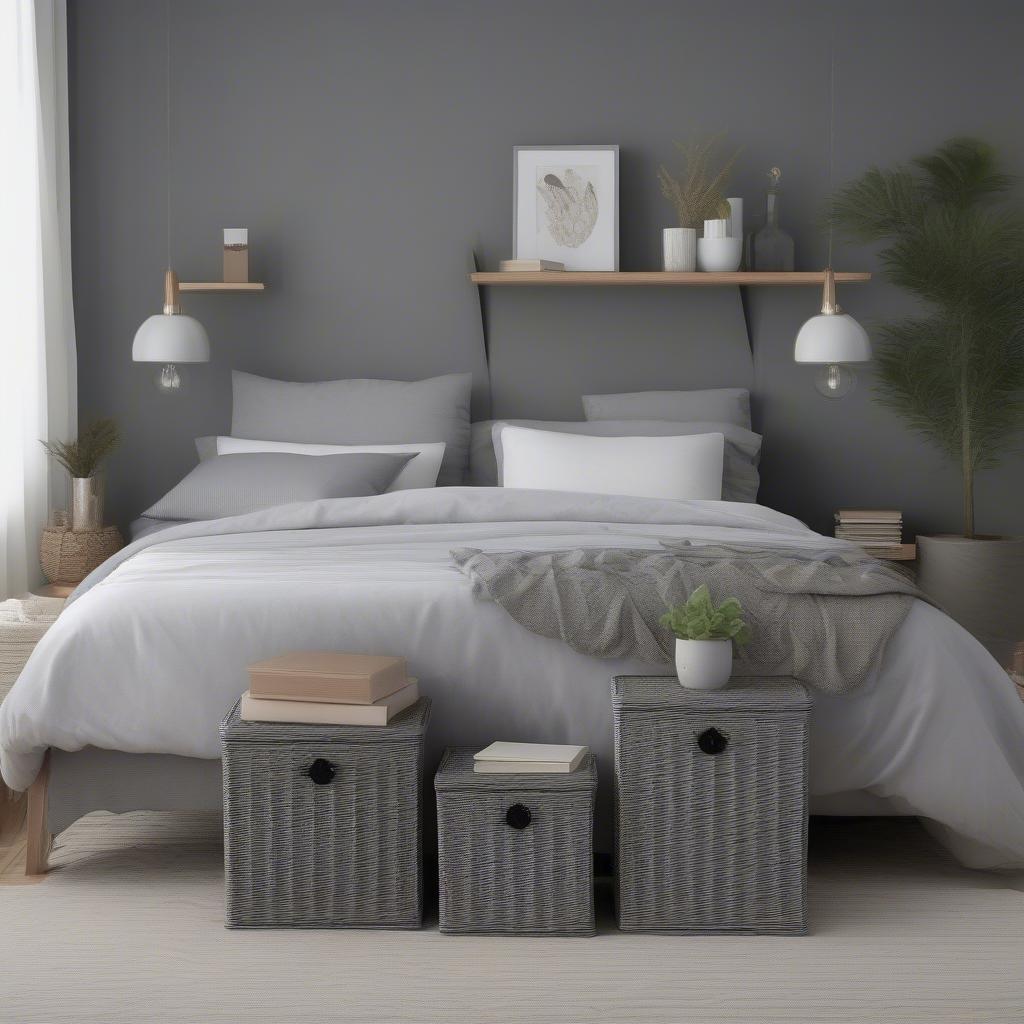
530	265
328	676
381	712
869	514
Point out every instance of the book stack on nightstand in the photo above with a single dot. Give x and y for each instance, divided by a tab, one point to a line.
328	688
878	530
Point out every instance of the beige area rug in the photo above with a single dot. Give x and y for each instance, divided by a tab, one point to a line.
128	928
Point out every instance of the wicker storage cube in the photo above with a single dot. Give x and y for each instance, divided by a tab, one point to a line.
322	823
711	806
515	852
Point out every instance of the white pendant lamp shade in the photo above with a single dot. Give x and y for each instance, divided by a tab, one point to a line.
171	338
832	338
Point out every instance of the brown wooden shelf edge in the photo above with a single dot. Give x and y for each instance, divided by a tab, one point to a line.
664	278
897	553
221	286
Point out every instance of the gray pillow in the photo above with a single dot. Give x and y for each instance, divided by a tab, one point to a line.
231	485
358	412
714	405
740	478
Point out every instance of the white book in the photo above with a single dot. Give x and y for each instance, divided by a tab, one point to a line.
529	757
526	767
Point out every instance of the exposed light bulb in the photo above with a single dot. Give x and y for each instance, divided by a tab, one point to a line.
168	380
834	380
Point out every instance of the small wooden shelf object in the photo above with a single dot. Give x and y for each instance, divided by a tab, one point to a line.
565	278
225	286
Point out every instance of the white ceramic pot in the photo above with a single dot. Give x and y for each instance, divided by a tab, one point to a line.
719	255
703	664
679	249
717	228
978	583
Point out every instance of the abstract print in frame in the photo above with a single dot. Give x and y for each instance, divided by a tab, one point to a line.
566	205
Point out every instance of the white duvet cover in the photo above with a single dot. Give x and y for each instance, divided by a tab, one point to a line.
152	652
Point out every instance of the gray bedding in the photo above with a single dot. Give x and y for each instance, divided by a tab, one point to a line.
823	617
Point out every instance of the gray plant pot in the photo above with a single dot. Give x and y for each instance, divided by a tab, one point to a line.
980	583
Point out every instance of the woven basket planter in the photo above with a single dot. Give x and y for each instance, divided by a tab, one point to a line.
68	556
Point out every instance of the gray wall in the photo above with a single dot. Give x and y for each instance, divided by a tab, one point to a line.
368	145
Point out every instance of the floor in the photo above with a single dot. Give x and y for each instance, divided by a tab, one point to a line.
127	927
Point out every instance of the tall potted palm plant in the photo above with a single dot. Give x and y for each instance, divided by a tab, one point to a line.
952	237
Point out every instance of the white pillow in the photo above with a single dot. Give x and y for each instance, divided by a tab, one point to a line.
644	467
418	472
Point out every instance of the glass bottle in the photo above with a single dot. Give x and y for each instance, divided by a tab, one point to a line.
769	247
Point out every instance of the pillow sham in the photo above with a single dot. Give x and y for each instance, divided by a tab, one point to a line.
358	412
420	471
740	479
688	466
715	405
231	485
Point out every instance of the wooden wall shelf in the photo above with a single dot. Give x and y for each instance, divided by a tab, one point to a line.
226	286
565	278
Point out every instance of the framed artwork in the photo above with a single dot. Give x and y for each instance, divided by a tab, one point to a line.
566	205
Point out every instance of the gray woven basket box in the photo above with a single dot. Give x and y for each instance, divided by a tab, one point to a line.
322	823
711	806
515	852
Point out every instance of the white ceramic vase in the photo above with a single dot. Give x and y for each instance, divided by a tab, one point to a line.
735	217
703	664
679	249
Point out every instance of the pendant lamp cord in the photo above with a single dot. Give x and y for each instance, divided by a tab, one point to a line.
831	130
167	85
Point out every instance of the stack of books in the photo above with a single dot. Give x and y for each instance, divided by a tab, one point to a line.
328	688
530	266
528	759
870	528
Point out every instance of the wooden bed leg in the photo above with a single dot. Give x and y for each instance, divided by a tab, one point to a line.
37	846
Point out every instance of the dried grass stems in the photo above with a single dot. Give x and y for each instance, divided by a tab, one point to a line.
699	193
83	458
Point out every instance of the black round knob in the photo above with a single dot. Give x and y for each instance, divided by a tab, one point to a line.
321	771
711	741
518	816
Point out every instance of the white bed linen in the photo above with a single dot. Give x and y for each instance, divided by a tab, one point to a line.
150	658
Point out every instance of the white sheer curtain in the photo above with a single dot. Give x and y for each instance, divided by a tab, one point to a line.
37	339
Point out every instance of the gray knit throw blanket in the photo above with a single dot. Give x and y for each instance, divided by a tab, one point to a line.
822	617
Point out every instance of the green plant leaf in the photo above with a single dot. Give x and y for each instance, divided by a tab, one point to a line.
698	618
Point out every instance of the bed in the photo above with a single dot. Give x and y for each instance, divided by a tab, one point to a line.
129	687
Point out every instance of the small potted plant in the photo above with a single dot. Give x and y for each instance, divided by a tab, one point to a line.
83	460
705	636
697	197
